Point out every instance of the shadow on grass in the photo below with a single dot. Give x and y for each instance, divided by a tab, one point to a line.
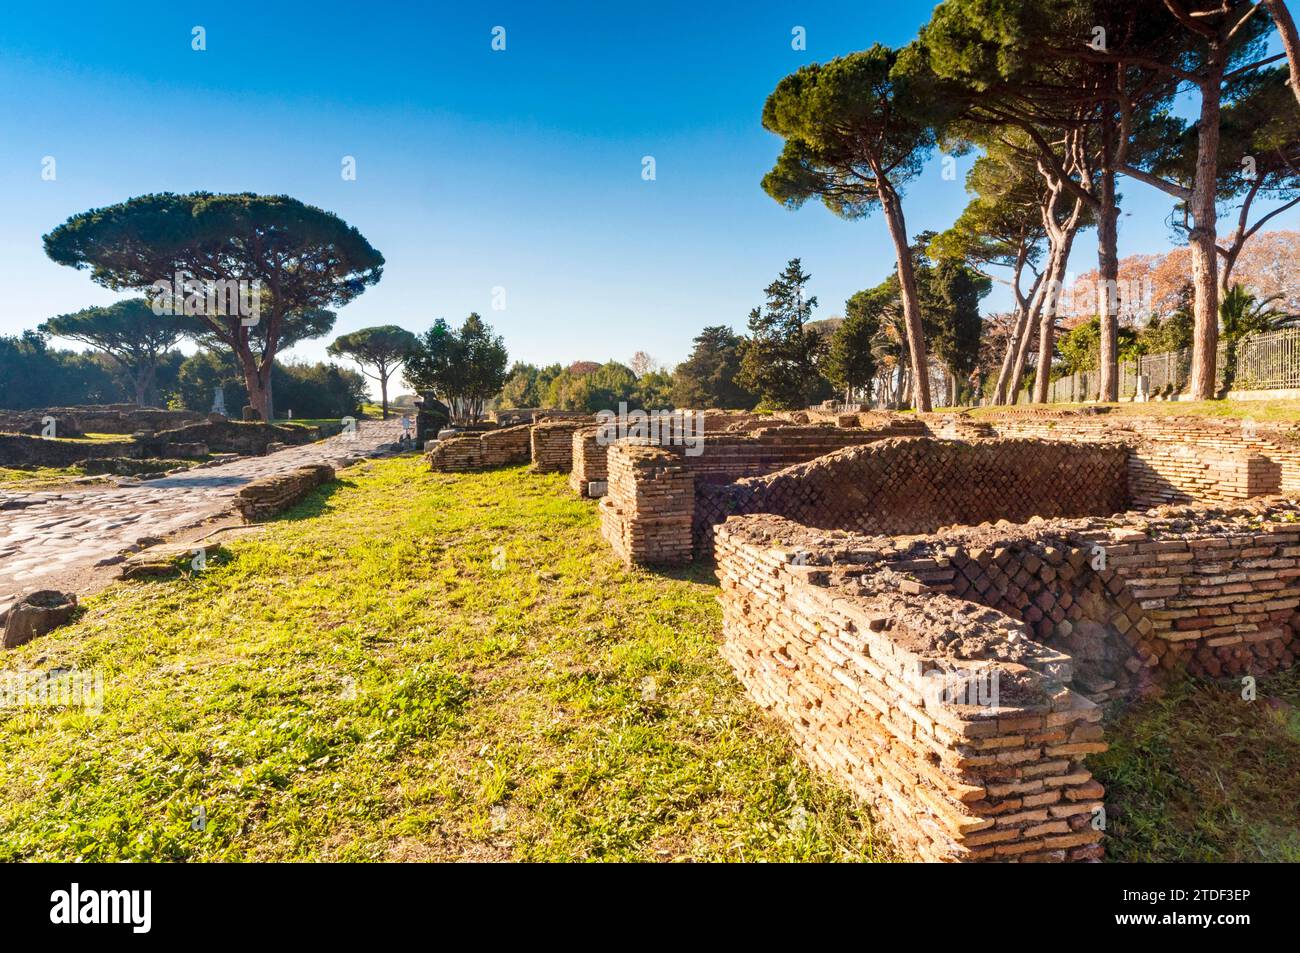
312	505
704	573
1203	774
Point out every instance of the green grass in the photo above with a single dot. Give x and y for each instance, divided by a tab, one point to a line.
370	680
35	477
1200	774
1276	410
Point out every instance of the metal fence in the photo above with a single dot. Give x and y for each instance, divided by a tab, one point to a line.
1268	361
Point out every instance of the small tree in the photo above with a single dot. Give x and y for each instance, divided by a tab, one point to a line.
709	377
303	259
129	332
464	369
383	348
779	359
850	360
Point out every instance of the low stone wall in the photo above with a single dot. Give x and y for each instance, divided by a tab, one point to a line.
552	444
106	418
530	415
508	446
234	436
1162	473
272	495
918	484
729	455
19	450
646	517
852	676
1270	440
899	485
840	636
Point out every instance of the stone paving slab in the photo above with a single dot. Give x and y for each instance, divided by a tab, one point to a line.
47	536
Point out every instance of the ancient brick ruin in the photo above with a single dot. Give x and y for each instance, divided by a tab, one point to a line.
941	620
508	446
272	495
552	444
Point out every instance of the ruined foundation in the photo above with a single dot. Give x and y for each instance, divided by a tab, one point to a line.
940	623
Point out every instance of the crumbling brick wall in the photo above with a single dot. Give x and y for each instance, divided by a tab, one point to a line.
646	516
552	444
272	495
1272	441
729	455
916	485
822	627
847	672
508	446
588	474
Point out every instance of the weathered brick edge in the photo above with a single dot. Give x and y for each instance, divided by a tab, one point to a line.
272	495
812	625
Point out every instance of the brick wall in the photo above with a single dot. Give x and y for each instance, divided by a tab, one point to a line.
729	455
843	671
1162	472
1272	441
823	627
508	446
552	444
589	462
272	495
916	485
646	516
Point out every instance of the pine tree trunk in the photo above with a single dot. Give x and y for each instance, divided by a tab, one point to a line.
1108	272
1202	238
1047	312
1018	332
911	299
1290	39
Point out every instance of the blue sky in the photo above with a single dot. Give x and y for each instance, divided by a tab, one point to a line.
476	169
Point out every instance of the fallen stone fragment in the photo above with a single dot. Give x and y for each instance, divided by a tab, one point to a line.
36	614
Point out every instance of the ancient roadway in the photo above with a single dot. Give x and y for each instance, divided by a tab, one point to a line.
47	538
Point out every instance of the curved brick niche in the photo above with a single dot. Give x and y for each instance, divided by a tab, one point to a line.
848	638
892	485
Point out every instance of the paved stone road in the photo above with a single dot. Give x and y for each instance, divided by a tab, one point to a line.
49	536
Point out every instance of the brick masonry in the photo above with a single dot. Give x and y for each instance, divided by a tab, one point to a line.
646	516
825	627
274	494
742	449
508	446
552	444
918	484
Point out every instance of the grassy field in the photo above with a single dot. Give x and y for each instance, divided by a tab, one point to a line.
1274	410
420	666
411	666
1201	774
37	476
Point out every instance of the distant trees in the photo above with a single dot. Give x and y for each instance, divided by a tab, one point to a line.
32	374
130	333
779	359
296	261
950	304
710	376
850	359
309	390
526	384
463	368
384	348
